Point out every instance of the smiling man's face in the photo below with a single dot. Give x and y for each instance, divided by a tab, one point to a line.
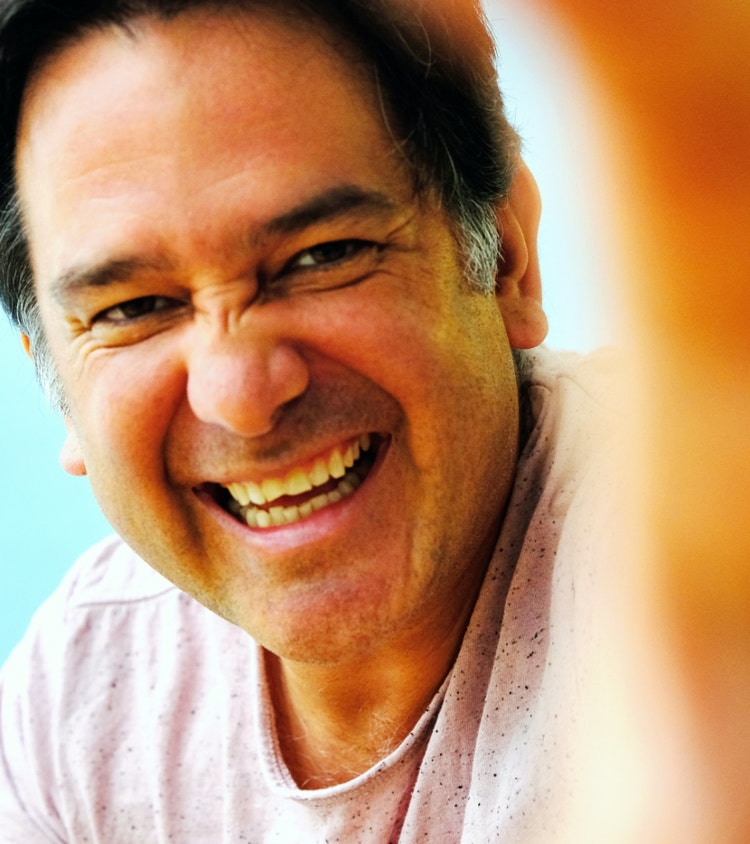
285	396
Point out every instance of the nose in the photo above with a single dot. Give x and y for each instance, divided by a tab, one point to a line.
241	381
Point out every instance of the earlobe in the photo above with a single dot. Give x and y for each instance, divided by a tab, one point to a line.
519	285
71	454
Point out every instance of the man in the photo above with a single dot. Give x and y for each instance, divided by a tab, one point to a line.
282	255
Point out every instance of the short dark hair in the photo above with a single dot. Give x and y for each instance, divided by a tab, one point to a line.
433	63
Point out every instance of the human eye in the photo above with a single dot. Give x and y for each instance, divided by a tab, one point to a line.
331	254
135	310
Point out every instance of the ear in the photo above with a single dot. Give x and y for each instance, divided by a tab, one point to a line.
71	453
519	285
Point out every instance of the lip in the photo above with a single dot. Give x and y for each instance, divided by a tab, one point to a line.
323	524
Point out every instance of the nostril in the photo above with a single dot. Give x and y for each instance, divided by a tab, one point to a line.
287	408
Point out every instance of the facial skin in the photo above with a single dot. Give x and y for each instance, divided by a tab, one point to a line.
174	185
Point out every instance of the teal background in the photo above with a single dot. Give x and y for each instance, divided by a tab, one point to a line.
48	518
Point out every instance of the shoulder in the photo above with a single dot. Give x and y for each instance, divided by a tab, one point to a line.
116	653
113	623
110	602
110	572
598	376
579	429
575	401
104	591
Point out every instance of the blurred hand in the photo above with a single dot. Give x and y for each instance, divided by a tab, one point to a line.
677	83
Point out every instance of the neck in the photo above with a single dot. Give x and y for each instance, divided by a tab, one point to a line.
334	722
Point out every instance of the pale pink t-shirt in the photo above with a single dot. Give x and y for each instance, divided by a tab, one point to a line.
130	714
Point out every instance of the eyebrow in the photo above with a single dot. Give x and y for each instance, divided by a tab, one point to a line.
329	205
101	275
336	202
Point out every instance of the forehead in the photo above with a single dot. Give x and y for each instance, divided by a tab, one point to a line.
201	105
198	52
264	26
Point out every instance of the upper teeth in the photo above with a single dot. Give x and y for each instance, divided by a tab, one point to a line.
299	481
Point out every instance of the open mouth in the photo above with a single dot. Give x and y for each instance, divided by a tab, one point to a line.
275	502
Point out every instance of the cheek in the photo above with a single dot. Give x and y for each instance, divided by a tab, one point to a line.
122	404
406	334
454	380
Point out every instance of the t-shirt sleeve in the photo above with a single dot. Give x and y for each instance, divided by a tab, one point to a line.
27	734
50	686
